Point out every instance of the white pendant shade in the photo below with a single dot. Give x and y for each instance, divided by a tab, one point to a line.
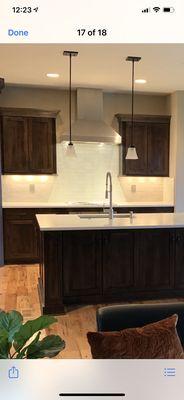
70	150
131	153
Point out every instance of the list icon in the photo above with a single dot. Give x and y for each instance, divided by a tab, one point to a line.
169	371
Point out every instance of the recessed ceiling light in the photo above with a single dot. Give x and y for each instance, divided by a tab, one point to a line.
141	81
52	75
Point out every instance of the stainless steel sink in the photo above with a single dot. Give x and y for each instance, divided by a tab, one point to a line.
101	215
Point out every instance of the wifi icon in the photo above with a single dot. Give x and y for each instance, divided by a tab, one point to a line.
156	9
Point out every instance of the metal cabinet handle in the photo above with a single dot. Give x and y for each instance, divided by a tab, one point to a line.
106	239
178	238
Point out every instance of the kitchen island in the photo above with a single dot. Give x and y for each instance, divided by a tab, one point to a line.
93	260
21	232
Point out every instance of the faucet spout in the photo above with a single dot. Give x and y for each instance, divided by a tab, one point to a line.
108	193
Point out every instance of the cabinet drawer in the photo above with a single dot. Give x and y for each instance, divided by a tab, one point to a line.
19	213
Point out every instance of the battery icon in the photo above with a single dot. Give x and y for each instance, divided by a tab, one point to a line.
168	9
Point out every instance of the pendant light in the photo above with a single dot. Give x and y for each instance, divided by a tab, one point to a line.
70	151
131	152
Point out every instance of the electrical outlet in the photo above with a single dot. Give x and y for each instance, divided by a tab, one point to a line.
133	188
32	187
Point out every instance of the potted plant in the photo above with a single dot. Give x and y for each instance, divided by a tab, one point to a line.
20	340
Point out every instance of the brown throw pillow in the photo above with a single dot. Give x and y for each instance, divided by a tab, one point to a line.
156	340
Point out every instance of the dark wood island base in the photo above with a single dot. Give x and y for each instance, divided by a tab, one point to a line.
98	266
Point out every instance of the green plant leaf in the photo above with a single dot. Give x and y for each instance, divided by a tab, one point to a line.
10	323
48	347
27	330
22	354
4	347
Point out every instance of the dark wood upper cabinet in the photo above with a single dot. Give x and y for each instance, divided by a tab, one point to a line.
158	149
15	145
151	139
28	142
42	145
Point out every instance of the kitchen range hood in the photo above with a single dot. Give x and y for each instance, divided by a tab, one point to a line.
89	126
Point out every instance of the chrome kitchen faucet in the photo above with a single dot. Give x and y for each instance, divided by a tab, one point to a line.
108	193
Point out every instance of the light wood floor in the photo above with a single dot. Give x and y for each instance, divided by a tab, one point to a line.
18	291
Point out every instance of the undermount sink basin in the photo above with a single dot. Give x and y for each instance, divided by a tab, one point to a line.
100	215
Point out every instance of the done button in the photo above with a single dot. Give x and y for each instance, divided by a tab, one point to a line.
15	32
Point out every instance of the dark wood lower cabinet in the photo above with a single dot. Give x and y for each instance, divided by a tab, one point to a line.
83	267
81	263
50	282
118	261
154	259
21	232
21	244
1	214
179	259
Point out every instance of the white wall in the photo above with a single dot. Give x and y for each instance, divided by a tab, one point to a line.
121	103
177	134
171	107
52	99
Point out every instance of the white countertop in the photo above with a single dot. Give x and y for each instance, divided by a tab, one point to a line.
81	204
59	222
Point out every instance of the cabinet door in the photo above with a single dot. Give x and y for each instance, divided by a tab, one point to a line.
158	149
20	241
118	261
153	259
15	145
136	167
81	260
42	145
179	259
1	213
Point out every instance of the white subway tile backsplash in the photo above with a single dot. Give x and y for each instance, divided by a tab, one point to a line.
78	179
148	189
83	179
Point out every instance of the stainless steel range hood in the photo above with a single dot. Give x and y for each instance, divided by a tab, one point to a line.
89	125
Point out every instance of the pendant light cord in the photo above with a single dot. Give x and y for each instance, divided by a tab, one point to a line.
132	127
70	101
70	54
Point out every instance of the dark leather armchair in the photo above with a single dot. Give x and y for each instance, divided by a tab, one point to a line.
115	318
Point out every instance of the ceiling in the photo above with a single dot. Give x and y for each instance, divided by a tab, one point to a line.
97	66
